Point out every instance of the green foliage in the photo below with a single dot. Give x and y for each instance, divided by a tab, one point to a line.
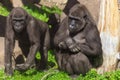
43	12
35	12
92	75
51	10
113	75
3	11
59	76
36	75
39	13
38	55
53	74
51	59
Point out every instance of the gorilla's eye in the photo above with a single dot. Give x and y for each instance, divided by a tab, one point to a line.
74	18
22	21
14	21
18	21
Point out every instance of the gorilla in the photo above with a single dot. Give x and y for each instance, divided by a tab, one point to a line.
32	36
77	42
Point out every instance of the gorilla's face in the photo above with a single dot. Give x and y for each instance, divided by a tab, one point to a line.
18	20
77	21
75	24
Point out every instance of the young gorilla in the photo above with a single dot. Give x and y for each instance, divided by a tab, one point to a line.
32	35
77	42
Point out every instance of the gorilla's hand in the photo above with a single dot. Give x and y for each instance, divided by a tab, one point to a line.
62	45
8	70
74	48
72	45
21	67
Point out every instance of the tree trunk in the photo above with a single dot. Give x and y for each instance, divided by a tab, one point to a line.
17	3
109	32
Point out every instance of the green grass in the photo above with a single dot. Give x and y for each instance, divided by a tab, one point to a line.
36	75
53	74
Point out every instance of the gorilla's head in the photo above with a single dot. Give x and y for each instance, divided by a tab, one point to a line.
77	19
18	19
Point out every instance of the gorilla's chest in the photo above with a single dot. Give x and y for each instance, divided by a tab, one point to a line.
23	38
79	38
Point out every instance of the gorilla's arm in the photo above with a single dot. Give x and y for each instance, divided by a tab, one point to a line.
63	38
72	45
33	33
34	40
66	44
61	35
92	47
9	46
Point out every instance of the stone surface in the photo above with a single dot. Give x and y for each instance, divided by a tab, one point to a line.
1	52
2	30
92	5
17	3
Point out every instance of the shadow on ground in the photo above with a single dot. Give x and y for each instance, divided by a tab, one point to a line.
2	26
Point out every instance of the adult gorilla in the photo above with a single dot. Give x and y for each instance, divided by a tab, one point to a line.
32	35
77	42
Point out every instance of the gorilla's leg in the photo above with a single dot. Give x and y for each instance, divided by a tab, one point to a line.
80	63
74	63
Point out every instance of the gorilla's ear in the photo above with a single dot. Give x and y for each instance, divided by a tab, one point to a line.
27	17
11	14
25	14
9	17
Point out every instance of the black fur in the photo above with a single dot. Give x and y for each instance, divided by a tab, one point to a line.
77	42
32	35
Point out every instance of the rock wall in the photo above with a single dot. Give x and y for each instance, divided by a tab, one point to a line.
92	5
